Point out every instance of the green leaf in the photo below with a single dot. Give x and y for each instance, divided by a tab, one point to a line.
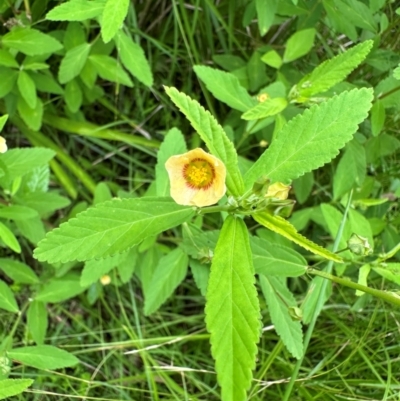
33	229
390	271
7	59
213	135
7	80
381	146
358	14
27	88
3	120
72	63
8	237
299	44
232	311
59	290
173	144
43	357
18	271
30	41
279	300
31	117
133	58
269	107
378	116
273	59
76	10
225	87
43	202
46	83
16	212
109	69
11	387
73	96
396	72
265	14
113	17
111	227
273	259
283	227
37	321
96	268
22	161
334	70
361	226
303	186
201	273
127	267
313	138
7	299
353	160
169	273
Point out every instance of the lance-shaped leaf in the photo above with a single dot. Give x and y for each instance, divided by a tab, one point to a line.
333	71
11	387
313	138
269	107
225	87
279	300
233	311
284	228
111	227
213	135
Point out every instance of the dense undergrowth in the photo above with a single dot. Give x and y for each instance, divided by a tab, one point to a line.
105	130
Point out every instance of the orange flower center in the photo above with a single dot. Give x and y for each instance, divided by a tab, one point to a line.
199	174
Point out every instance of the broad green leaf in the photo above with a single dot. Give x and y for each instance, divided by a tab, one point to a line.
272	259
279	300
127	267
43	357
32	229
381	146
334	70
390	271
284	228
30	41
309	306
303	186
76	10
59	290
27	88
113	17
146	266
273	59
7	59
7	299
102	193
96	268
361	226
358	14
213	135
173	144
353	160
109	69
229	62
8	237
16	212
201	274
232	311
378	116
299	44
43	202
75	35
111	227
37	321
169	273
31	117
72	63
265	14
225	87
46	83
11	387
133	58
18	271
73	96
8	78
269	107
313	138
3	120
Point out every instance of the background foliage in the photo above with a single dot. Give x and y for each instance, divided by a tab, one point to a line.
87	116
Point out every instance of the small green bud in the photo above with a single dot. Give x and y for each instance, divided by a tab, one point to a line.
296	313
359	245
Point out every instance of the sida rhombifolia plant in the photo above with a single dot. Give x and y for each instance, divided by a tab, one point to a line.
226	263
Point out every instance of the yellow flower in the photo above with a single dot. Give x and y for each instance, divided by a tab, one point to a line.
278	191
105	280
197	178
3	145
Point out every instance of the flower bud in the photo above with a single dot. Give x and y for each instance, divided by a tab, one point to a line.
359	245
